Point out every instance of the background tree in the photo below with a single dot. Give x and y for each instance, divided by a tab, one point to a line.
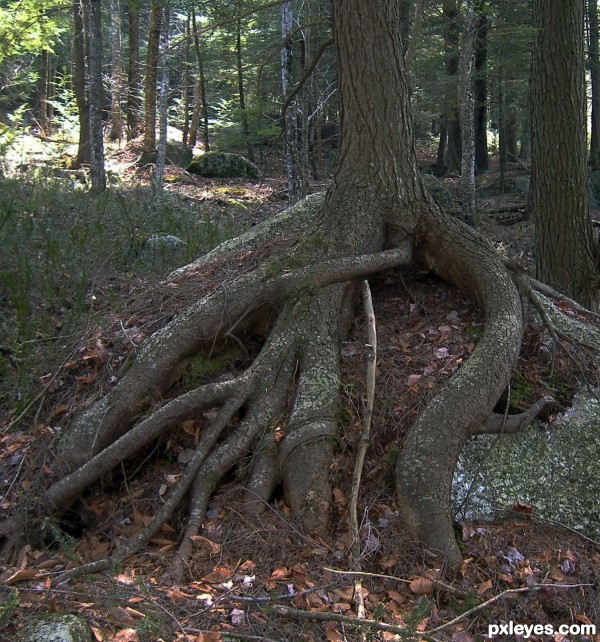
594	64
133	70
116	77
79	83
565	249
150	81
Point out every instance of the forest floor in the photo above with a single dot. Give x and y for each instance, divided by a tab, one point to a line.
261	578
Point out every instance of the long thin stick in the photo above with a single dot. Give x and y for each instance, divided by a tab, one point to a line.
363	444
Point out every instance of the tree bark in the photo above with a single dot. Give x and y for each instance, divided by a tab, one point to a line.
150	83
97	171
133	71
594	63
200	115
79	84
452	159
242	90
480	91
467	113
565	249
116	80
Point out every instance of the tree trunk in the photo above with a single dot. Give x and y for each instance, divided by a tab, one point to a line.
481	145
200	114
150	83
163	99
565	250
42	94
452	159
594	63
302	299
241	90
116	80
133	71
79	84
467	113
97	172
185	80
291	159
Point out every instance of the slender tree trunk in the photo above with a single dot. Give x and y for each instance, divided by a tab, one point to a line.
185	80
116	80
481	144
200	101
565	250
291	113
467	113
451	38
133	71
150	84
594	63
42	94
98	174
163	98
79	84
241	90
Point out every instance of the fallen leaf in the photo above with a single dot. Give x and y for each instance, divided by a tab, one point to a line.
421	586
237	616
483	587
125	635
23	574
333	634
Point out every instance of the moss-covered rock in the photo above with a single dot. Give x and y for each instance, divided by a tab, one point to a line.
223	165
55	627
516	185
553	468
176	154
438	190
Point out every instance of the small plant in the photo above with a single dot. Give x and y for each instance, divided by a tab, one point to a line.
8	607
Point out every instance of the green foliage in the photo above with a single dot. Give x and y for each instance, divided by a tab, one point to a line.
28	26
200	367
418	613
8	606
60	250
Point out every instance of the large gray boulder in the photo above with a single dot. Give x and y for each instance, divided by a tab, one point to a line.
163	249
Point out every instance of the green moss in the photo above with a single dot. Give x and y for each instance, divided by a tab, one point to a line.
200	366
223	165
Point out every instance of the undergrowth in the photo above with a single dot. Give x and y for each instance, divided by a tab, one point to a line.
60	246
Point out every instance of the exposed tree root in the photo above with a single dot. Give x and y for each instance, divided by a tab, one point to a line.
289	396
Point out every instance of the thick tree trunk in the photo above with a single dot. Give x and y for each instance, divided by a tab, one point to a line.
565	249
303	300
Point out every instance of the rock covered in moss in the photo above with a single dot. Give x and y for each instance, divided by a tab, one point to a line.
56	627
439	191
223	165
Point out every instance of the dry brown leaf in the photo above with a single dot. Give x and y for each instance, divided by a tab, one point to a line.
421	586
483	587
125	635
333	634
204	543
22	574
